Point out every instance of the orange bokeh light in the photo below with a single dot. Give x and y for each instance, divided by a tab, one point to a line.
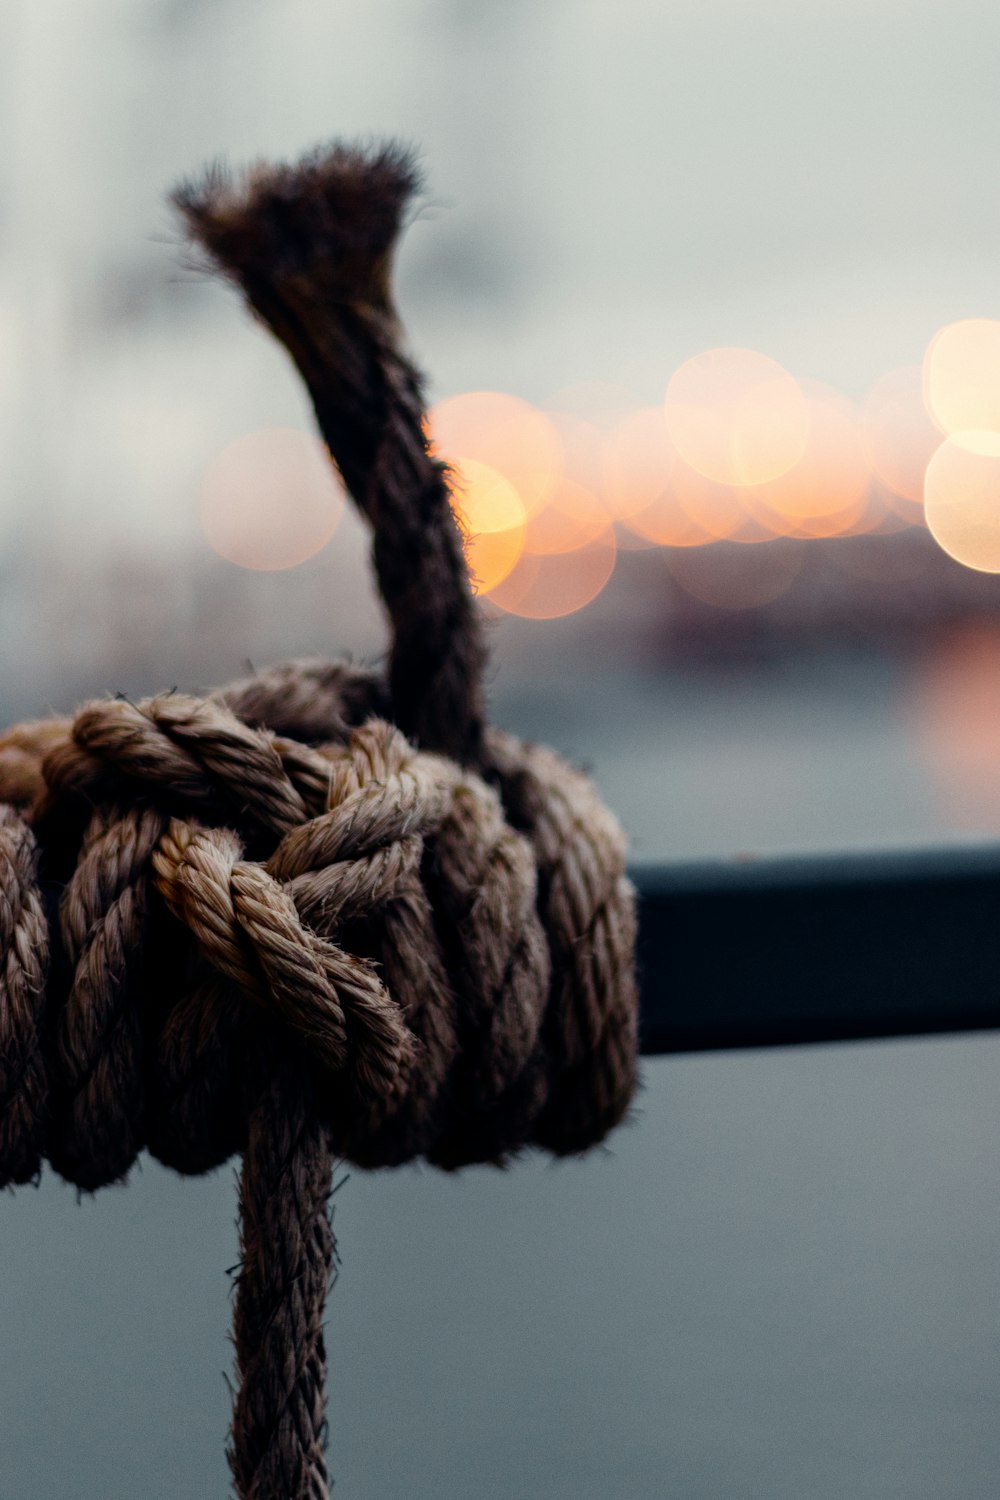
637	459
572	513
962	499
962	377
724	512
736	416
508	434
899	437
825	493
574	517
271	499
492	518
883	513
544	587
664	522
582	440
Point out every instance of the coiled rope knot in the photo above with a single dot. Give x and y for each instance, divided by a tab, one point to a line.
321	911
366	899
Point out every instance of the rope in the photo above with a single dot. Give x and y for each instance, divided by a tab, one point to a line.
319	913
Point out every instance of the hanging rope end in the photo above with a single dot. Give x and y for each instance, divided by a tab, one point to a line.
334	215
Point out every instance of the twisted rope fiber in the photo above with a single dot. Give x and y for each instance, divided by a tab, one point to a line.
319	913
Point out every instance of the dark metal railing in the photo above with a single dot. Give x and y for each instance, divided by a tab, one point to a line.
777	952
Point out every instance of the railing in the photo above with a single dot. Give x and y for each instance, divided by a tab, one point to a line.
777	952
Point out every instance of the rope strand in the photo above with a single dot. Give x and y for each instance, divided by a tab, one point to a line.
286	1257
311	249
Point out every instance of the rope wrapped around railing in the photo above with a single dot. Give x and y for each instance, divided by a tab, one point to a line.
322	912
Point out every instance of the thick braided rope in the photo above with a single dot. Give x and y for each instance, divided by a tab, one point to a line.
319	912
286	1251
461	920
24	964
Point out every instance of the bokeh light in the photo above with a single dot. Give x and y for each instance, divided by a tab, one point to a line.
899	437
504	432
724	512
573	517
740	451
492	518
271	499
962	378
546	586
962	499
582	442
665	522
886	513
736	416
637	459
575	513
825	493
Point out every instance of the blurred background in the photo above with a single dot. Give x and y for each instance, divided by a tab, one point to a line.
708	299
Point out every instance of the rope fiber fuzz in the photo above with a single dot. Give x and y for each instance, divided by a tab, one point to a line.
322	913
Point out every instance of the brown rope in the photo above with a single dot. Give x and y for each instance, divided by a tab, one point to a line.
317	913
311	249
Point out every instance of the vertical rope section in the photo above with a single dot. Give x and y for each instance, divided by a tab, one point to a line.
104	921
286	1248
24	963
311	249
